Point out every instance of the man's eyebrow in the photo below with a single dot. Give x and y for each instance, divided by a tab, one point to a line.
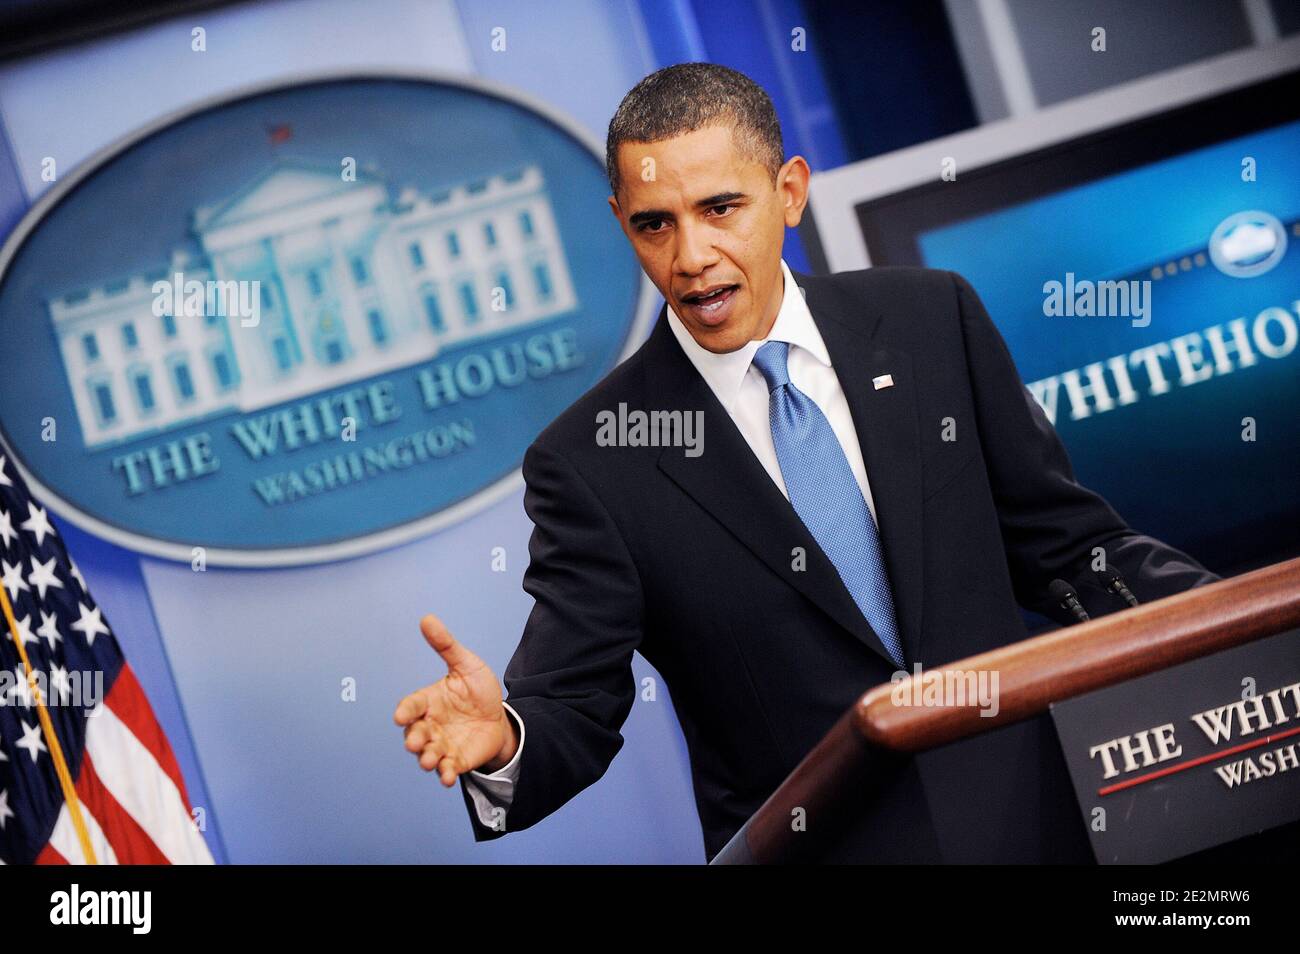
721	198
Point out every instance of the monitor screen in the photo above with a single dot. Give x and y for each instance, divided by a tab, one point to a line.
1147	282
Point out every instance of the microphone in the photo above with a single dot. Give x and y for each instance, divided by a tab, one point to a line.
1115	583
1064	594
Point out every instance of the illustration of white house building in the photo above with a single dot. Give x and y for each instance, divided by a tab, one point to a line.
351	282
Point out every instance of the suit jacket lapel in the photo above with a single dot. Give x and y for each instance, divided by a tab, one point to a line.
888	428
728	481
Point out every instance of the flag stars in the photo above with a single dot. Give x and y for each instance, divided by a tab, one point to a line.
5	811
7	531
31	741
42	576
13	579
91	624
60	684
21	690
4	478
49	630
76	575
24	631
37	523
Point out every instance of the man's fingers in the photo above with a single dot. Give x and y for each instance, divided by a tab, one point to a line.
434	754
411	708
456	656
429	756
418	735
447	770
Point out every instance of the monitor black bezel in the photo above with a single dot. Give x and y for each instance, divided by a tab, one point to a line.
891	225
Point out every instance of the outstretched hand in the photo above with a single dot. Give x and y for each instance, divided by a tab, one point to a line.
458	723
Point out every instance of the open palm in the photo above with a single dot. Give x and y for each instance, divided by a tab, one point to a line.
458	723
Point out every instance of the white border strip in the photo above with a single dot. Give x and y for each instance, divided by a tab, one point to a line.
1008	57
1263	25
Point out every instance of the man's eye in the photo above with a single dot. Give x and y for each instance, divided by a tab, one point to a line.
645	226
725	206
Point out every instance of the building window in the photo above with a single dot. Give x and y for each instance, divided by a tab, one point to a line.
221	368
359	273
267	300
333	351
169	325
489	235
144	391
104	401
453	245
503	282
526	224
468	303
377	331
542	279
282	353
92	347
314	284
417	255
433	310
129	336
184	383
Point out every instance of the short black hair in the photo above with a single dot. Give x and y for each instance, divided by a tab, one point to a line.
682	98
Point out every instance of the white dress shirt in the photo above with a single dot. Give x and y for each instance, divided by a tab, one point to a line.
742	390
493	793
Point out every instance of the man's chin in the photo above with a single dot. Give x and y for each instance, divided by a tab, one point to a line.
720	339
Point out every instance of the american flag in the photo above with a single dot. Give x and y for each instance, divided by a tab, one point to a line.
117	790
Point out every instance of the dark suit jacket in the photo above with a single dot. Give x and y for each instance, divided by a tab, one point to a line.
689	560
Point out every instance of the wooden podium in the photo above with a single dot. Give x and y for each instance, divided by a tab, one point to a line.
830	783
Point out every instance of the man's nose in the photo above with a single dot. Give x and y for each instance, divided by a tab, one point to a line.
695	251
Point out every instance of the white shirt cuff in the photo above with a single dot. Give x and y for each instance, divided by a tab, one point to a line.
510	771
492	794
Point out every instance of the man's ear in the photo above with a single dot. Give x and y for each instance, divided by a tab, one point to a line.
793	182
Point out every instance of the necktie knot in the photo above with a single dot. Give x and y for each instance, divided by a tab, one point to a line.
770	359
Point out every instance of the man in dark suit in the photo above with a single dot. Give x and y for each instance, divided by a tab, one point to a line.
875	489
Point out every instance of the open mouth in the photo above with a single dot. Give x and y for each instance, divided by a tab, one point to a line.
713	306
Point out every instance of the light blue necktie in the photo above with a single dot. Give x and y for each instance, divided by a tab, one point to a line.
826	496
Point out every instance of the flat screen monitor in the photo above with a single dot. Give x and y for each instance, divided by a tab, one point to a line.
1146	279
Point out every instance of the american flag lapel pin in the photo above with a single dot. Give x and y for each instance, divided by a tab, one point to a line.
883	381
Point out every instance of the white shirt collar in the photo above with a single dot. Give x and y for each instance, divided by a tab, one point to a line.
725	373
